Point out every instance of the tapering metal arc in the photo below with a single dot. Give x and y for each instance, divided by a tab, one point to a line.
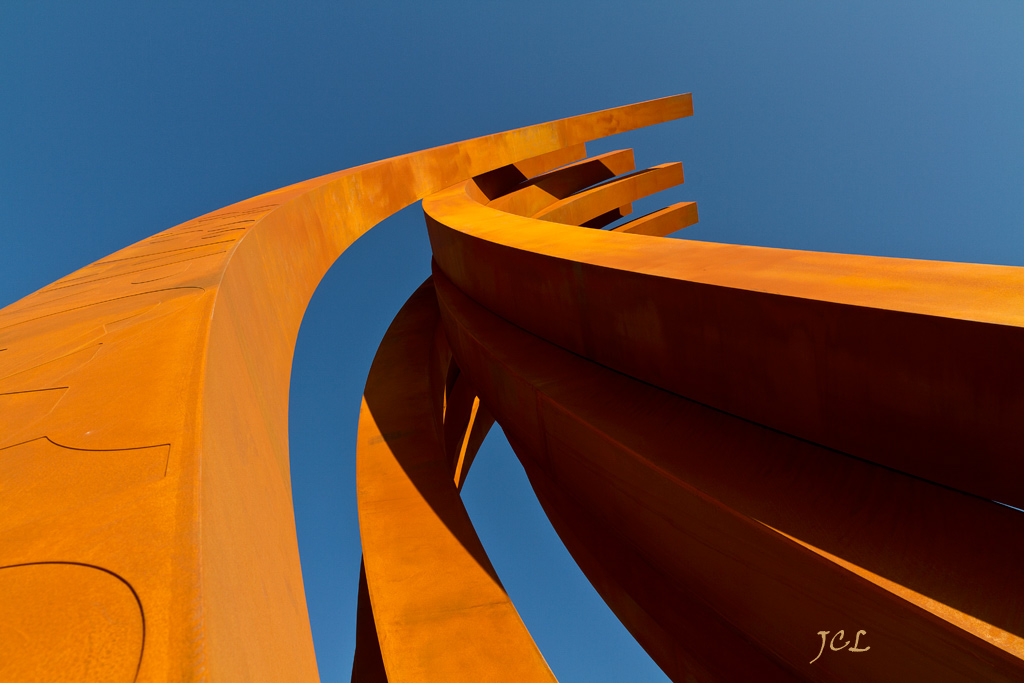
647	367
182	344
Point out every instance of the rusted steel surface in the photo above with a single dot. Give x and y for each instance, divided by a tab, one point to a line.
588	204
544	190
731	498
441	613
905	363
741	447
169	360
663	222
763	537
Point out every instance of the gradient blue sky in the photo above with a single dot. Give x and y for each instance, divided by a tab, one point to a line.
888	128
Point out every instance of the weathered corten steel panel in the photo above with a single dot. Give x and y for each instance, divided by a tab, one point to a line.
440	611
678	407
907	363
740	446
725	546
170	361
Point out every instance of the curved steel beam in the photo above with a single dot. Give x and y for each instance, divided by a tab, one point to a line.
725	547
441	613
584	206
909	364
662	222
184	341
641	306
541	192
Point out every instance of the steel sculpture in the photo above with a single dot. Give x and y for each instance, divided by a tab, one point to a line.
744	449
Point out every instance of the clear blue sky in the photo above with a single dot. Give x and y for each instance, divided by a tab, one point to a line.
888	128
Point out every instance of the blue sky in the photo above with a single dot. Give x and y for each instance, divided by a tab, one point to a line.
887	128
